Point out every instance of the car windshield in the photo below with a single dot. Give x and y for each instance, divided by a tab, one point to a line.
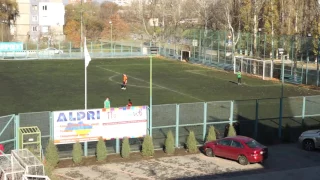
253	144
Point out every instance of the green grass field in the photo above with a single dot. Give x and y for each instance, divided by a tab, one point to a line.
48	85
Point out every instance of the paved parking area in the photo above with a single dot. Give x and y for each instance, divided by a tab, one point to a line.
284	161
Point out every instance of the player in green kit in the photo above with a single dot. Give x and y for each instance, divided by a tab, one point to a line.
239	77
107	103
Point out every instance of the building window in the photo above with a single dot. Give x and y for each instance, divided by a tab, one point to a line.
34	28
45	29
34	18
44	7
35	7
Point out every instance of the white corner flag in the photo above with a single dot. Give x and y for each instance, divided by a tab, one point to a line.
87	57
87	60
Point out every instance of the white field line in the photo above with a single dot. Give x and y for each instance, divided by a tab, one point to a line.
130	85
158	64
195	72
169	89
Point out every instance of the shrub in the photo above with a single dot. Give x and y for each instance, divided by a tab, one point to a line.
52	154
232	131
147	146
169	143
101	150
48	169
125	148
77	153
192	143
211	134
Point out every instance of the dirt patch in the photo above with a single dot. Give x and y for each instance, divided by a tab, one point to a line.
116	158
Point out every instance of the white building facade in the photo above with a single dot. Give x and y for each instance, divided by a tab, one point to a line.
40	19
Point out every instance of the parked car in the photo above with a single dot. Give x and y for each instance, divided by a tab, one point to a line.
243	149
1	149
310	140
51	51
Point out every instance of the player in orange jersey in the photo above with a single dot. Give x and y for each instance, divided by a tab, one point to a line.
124	81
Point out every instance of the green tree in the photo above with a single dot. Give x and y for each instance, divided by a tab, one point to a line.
169	143
125	148
52	155
101	150
147	146
211	134
77	153
231	131
9	11
192	143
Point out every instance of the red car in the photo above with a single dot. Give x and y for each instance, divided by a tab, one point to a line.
243	149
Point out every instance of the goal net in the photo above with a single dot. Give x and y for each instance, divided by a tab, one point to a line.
10	168
255	67
29	162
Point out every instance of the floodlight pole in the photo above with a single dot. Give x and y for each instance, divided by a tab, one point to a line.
281	98
150	106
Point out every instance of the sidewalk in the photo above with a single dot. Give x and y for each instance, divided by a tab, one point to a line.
310	173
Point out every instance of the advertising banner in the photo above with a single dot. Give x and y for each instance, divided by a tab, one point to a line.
89	125
11	46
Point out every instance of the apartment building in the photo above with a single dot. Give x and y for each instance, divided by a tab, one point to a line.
39	19
78	1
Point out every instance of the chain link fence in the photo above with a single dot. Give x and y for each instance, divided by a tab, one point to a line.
258	118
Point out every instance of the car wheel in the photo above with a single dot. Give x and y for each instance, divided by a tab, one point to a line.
243	160
308	145
209	152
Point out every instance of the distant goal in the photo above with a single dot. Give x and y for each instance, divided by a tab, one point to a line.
255	67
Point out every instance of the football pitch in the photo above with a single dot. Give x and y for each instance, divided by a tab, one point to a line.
48	85
51	85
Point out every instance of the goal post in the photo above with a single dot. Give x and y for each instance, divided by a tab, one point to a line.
254	67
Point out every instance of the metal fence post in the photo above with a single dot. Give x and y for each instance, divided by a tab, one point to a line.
51	125
205	108
131	49
177	124
17	125
91	47
70	49
85	148
225	47
257	120
117	145
303	109
218	47
101	48
231	112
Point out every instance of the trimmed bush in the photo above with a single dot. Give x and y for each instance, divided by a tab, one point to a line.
48	169
192	143
101	151
77	153
232	131
169	143
52	154
125	148
211	134
147	146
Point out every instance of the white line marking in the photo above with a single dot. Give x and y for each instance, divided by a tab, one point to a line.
158	64
130	85
195	72
155	84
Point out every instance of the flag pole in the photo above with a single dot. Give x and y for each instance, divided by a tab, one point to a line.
85	87
87	60
150	107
